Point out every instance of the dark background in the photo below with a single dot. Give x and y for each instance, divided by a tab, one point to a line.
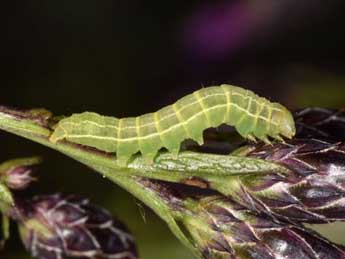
129	57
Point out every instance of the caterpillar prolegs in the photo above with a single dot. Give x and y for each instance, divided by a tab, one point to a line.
253	117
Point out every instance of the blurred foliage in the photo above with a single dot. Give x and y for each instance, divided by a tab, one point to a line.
319	88
125	58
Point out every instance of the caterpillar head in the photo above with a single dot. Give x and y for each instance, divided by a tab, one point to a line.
284	120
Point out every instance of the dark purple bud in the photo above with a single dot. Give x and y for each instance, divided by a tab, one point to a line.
19	178
60	226
17	174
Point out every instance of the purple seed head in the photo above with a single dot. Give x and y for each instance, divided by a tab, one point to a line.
314	189
66	226
223	229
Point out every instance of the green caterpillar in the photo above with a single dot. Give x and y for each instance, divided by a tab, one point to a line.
254	117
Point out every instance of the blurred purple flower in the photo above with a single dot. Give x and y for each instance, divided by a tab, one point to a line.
219	29
214	30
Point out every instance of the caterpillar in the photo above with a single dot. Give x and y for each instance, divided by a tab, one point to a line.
253	117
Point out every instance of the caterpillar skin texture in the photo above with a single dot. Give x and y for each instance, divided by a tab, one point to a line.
253	117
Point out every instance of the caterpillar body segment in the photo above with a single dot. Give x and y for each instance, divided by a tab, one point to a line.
253	117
